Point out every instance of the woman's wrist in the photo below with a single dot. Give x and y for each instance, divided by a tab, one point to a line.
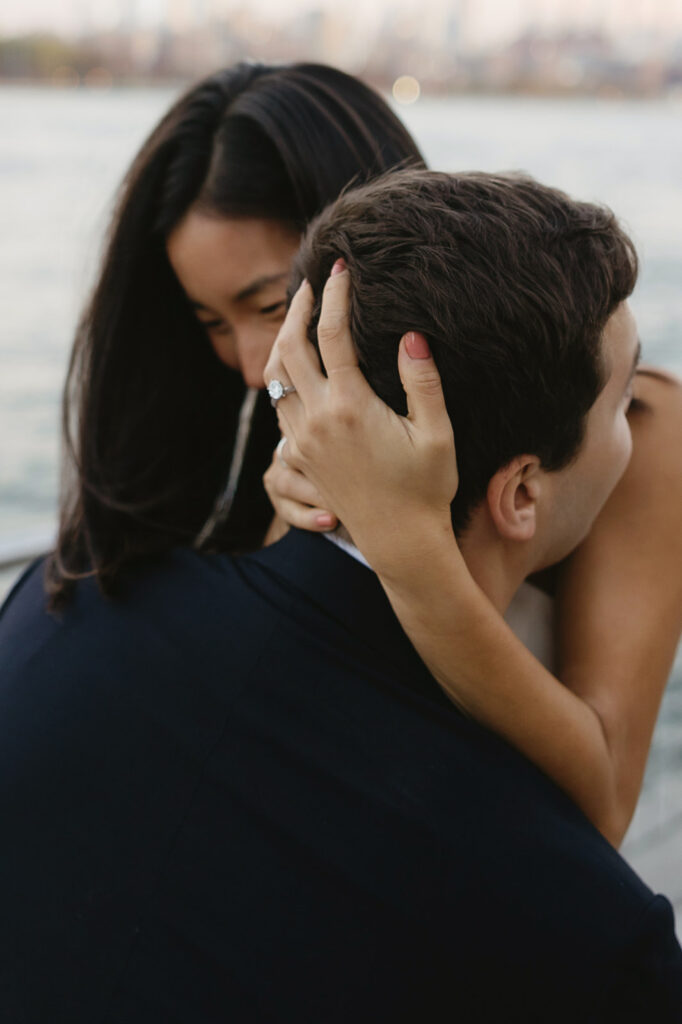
410	553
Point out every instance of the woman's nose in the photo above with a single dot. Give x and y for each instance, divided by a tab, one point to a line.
252	353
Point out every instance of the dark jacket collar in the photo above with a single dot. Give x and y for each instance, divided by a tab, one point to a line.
350	592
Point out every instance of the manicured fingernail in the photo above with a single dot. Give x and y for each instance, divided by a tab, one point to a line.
416	346
325	520
338	267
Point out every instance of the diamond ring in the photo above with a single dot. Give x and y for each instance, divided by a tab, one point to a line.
277	390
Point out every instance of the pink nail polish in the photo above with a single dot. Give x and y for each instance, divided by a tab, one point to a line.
417	346
325	520
338	267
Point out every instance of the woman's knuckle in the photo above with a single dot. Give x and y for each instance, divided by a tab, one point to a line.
295	450
344	411
430	386
315	428
442	442
285	345
328	329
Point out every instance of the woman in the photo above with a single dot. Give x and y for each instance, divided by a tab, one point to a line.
619	596
161	415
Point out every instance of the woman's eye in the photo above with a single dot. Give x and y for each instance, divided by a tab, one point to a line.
211	325
273	308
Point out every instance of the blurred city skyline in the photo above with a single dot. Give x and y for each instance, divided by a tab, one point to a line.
606	47
481	23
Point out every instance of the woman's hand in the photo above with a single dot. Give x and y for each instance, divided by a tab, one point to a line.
390	479
295	499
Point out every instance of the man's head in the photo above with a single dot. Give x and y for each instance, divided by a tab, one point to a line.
520	292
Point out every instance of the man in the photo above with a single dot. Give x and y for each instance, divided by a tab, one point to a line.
537	369
237	794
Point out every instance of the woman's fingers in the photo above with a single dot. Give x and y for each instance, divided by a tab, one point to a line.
285	482
426	407
293	359
314	520
333	330
295	498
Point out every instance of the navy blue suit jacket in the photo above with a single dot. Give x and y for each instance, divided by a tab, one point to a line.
236	794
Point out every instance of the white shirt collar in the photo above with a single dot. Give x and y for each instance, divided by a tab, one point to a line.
348	547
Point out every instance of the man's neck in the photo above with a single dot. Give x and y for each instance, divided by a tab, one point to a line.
498	570
494	577
497	566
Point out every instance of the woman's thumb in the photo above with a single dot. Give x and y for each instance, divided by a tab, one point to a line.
421	381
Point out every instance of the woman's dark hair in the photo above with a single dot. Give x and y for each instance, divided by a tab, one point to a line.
511	282
150	413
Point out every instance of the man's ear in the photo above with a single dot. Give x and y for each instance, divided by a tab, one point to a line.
512	498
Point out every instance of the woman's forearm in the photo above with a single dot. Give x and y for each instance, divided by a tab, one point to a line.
489	674
619	621
619	600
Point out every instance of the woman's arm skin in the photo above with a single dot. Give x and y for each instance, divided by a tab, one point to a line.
583	738
619	620
619	596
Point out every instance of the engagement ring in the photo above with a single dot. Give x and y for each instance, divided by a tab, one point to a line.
277	390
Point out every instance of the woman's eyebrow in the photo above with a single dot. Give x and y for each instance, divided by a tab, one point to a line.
259	284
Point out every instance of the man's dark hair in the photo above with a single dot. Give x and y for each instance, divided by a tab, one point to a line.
510	281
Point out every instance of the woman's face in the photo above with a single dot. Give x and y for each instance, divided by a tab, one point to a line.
235	272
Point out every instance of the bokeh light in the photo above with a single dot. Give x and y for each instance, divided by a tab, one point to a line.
406	89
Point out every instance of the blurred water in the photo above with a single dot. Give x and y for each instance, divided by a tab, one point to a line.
62	155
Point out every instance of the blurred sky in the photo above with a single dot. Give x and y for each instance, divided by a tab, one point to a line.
488	21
